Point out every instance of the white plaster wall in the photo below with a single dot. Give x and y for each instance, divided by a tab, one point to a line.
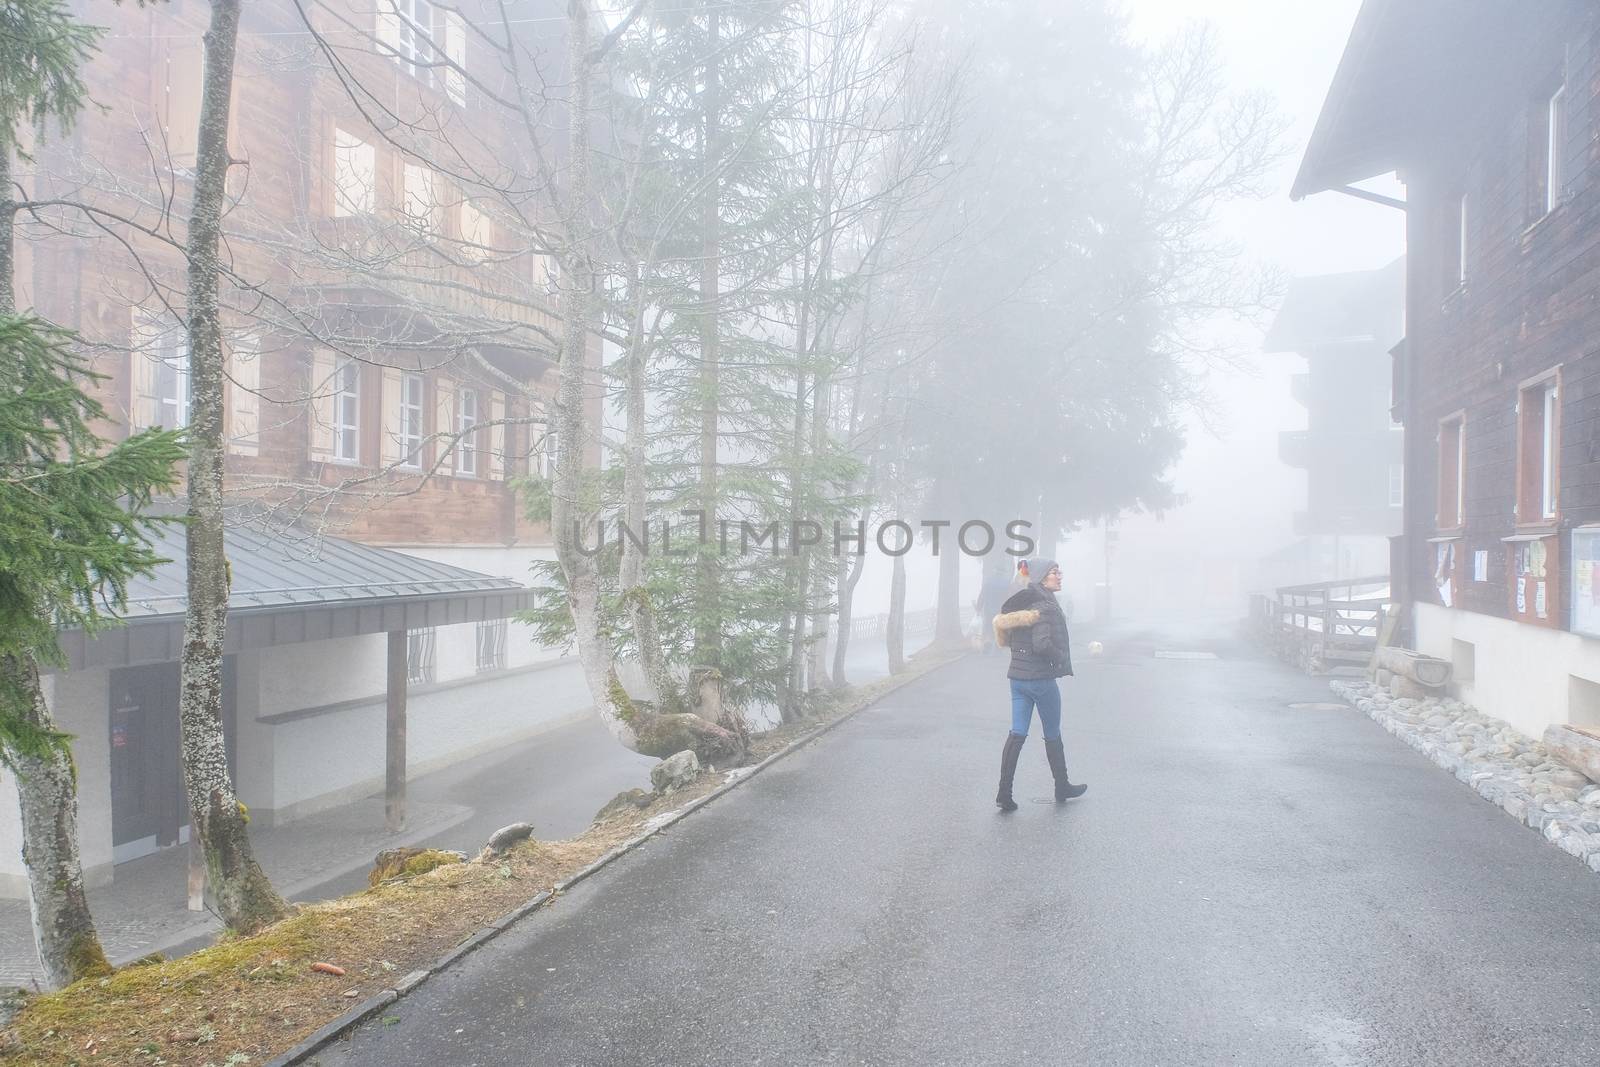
80	704
500	562
1521	673
318	673
252	738
13	878
324	760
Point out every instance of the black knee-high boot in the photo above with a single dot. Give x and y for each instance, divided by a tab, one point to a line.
1008	770
1056	753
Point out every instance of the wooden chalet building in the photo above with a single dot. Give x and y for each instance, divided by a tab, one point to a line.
1490	113
389	313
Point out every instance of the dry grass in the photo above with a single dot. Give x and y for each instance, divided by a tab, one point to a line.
254	997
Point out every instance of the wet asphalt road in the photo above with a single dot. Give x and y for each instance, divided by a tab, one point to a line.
1243	884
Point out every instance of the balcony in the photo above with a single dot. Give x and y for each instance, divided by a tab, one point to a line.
1294	448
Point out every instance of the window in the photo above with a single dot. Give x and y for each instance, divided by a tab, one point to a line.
160	372
1397	485
420	656
476	234
413	36
1538	451
411	386
467	449
1452	473
355	175
244	401
347	412
455	54
421	204
172	387
492	645
1555	138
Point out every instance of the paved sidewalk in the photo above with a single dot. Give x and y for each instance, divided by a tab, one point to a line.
556	780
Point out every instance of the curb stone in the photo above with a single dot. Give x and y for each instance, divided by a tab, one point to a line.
1514	772
334	1029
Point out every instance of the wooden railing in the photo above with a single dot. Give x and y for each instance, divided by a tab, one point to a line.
1323	626
916	622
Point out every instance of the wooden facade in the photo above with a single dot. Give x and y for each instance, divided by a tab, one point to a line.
391	360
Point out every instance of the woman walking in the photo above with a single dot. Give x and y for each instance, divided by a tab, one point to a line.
1032	624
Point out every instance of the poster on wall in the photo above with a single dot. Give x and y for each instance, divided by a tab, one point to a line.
1585	597
1480	565
1522	596
1444	571
1538	601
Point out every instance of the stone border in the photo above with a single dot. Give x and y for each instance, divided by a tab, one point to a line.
337	1028
1502	765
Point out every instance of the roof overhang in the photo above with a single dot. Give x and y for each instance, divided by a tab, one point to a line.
289	587
159	638
1414	72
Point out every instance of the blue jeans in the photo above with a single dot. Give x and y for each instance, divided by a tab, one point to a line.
1041	693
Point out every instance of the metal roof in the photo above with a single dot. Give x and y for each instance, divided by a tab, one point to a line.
287	567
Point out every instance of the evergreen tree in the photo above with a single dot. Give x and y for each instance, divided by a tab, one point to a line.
71	531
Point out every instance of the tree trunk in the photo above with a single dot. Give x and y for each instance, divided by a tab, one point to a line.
948	616
47	795
708	630
894	633
850	568
572	429
63	930
245	899
822	575
641	612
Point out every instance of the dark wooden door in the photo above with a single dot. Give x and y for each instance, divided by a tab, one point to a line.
148	807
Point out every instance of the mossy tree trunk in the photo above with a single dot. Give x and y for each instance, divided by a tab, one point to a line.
47	788
63	929
244	898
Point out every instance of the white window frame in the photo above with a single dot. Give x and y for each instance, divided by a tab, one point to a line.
347	411
1461	239
355	175
1397	485
413	407
415	45
1556	123
466	426
172	380
1551	446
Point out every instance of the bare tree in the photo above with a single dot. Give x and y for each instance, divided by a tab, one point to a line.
244	897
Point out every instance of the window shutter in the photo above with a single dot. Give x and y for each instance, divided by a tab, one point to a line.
444	423
320	406
388	29
389	424
497	436
244	404
455	50
143	339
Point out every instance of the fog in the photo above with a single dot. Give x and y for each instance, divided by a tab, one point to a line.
1201	558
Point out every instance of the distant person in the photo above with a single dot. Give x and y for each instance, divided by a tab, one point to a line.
996	588
1032	625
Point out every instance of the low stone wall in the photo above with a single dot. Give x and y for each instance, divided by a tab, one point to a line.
1503	765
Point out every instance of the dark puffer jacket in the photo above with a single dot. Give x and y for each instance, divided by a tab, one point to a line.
1041	649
